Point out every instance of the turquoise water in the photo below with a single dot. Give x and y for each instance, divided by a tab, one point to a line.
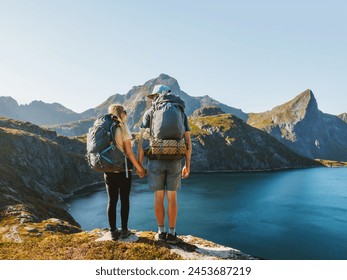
294	214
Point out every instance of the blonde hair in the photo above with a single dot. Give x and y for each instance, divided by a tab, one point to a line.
117	110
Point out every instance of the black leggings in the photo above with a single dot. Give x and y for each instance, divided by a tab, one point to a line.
118	182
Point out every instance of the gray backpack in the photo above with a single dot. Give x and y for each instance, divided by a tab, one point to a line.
103	154
167	128
167	117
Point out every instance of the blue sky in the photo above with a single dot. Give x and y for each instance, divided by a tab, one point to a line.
251	55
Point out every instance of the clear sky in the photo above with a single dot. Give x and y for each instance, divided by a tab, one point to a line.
251	55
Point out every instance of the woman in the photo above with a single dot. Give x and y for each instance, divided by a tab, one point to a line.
118	183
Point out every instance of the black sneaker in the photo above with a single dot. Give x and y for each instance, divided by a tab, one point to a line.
160	236
172	239
125	233
115	234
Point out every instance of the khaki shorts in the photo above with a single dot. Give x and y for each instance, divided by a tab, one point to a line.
164	175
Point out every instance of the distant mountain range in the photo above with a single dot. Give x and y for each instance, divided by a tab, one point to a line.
298	124
134	101
36	112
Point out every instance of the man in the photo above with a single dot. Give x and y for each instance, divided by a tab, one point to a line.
164	176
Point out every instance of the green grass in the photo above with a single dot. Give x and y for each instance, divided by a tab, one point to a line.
200	125
82	246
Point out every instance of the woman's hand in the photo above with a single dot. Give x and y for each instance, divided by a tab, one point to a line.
141	172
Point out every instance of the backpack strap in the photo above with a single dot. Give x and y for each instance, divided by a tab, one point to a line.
151	121
172	102
113	126
126	166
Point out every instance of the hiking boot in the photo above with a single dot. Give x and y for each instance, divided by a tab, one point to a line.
172	239
125	233
115	234
160	236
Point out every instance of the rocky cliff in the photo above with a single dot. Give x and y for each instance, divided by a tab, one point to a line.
224	142
302	127
38	168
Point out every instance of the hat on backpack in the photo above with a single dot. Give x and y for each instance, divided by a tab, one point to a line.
157	90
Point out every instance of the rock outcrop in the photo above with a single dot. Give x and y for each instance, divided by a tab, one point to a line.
300	126
24	236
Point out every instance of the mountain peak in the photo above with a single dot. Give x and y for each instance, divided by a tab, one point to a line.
164	76
304	103
297	108
306	95
166	80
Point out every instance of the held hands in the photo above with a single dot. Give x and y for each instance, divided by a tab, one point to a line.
185	172
141	172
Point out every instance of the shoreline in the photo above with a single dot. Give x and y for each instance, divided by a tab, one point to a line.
135	176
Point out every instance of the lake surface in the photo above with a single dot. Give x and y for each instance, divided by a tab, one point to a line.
293	214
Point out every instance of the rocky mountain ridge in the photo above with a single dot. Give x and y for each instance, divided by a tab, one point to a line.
302	127
298	124
224	142
134	101
36	112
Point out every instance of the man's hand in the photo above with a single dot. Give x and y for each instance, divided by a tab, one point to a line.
142	173
185	172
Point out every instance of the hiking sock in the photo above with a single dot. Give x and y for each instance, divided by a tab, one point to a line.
161	229
172	231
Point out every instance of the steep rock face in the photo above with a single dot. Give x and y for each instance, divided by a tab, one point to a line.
37	168
303	128
226	143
